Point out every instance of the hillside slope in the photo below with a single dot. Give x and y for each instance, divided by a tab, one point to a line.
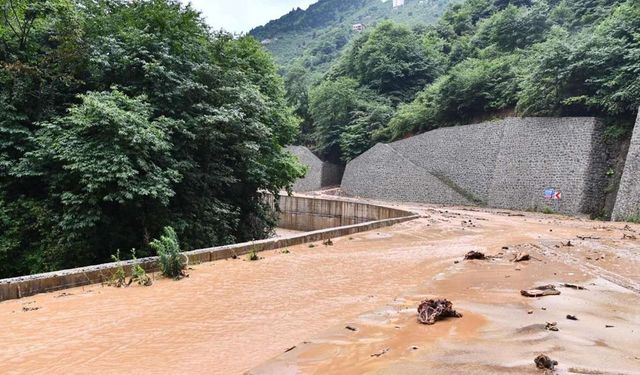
319	33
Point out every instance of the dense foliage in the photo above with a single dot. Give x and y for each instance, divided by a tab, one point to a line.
118	118
483	59
316	36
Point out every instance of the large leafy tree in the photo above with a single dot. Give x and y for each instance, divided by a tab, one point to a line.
119	118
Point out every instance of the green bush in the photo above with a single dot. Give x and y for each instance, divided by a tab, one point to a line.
253	256
172	262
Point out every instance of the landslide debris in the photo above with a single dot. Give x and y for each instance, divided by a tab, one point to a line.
432	310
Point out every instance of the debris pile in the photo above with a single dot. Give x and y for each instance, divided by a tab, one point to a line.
541	291
431	310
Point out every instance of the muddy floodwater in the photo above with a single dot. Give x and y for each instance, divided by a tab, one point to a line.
288	313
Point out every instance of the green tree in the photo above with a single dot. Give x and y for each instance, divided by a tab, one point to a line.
390	60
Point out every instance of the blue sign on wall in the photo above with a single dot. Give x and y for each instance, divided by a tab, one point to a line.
549	193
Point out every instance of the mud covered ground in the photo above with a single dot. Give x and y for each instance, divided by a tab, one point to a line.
288	313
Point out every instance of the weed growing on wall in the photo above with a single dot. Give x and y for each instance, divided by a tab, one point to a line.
138	274
118	279
172	262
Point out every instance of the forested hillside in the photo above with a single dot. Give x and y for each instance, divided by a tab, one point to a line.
482	59
320	33
119	118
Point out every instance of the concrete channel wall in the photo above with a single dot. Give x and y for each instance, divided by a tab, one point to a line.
628	199
326	218
319	174
506	163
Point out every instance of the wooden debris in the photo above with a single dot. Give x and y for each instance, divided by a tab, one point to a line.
431	310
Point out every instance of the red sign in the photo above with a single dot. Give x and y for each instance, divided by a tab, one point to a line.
557	196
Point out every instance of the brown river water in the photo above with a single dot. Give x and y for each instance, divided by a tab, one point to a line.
286	313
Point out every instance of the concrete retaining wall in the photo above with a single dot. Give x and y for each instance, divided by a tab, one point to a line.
299	213
561	153
628	200
506	163
402	180
319	174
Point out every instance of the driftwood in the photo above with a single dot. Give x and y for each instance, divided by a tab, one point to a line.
541	291
431	310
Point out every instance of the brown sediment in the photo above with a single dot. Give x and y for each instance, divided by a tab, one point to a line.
232	316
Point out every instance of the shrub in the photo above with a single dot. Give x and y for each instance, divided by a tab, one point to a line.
253	256
548	210
172	262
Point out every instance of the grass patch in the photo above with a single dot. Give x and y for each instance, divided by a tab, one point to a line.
633	219
548	211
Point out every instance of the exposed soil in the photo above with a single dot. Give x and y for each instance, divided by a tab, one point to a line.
287	313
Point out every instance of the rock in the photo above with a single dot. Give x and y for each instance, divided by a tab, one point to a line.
521	257
572	317
431	310
351	328
543	362
541	291
530	312
471	255
553	326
